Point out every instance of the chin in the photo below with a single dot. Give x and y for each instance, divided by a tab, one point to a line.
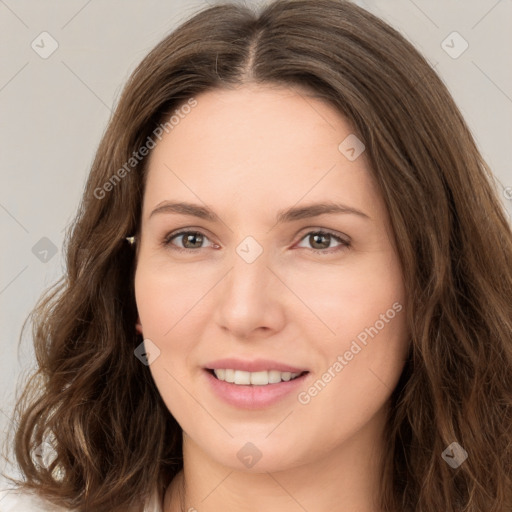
258	453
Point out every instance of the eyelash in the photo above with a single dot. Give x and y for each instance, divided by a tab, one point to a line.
344	244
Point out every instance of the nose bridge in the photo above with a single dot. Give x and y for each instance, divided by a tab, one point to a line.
249	275
246	301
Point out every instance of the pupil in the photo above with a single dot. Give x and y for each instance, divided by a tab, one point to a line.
191	237
317	236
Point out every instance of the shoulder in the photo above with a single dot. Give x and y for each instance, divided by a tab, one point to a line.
16	500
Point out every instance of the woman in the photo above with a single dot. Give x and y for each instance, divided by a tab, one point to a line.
288	286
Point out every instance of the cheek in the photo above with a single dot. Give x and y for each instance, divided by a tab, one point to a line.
357	378
358	372
362	356
342	300
161	302
172	303
166	298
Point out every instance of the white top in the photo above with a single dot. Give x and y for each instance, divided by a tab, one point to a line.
14	500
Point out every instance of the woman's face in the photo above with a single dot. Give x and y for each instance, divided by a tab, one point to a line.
269	283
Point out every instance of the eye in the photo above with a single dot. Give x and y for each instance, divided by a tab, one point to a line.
190	240
321	240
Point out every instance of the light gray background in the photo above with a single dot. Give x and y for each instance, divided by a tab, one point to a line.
53	112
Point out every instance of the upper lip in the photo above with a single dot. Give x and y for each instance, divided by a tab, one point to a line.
255	365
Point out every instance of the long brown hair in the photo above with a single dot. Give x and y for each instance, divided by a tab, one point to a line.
112	434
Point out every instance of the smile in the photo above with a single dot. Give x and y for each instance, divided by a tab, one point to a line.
254	390
261	378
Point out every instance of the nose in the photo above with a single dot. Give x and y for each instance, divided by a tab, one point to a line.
250	300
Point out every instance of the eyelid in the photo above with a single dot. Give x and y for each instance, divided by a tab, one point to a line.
325	231
175	234
344	240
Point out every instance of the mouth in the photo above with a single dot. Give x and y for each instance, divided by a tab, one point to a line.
254	384
259	378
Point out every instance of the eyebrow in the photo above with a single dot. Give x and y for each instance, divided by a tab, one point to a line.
286	215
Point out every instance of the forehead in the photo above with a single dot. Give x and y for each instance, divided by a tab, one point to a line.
255	146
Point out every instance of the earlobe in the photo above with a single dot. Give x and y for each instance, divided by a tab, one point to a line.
138	326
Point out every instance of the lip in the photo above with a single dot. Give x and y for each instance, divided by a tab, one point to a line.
251	396
257	365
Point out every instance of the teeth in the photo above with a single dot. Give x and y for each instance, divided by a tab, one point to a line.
256	378
242	377
274	377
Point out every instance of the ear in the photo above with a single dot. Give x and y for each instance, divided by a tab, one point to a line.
138	326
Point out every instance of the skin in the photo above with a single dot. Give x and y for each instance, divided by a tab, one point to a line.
248	153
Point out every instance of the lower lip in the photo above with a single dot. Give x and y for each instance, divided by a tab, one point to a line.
251	396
